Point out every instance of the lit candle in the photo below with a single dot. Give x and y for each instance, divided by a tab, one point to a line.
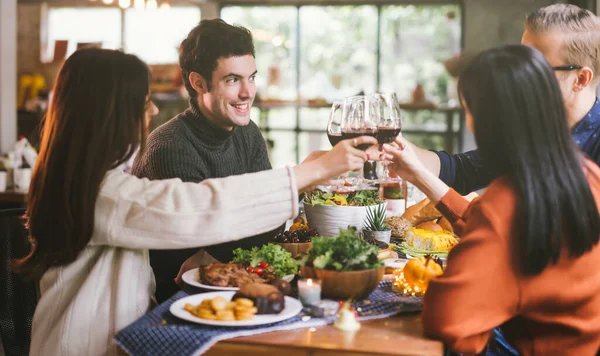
309	291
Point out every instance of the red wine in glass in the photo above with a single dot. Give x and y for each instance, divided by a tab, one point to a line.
387	134
334	138
358	133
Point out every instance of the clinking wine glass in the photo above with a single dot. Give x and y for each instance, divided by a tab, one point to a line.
388	126
359	118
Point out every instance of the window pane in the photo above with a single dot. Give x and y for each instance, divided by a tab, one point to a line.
415	40
314	118
339	45
310	141
274	33
280	118
282	148
158	44
424	120
79	25
427	141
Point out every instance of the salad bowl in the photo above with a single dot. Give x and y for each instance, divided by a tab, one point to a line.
345	285
346	264
329	219
328	212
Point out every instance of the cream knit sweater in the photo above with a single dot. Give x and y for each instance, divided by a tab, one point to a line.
84	304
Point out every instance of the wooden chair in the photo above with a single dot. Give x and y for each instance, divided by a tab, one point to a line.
18	297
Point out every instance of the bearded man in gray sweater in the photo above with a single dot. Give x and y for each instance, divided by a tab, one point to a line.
214	137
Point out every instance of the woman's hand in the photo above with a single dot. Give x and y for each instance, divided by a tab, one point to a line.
404	160
345	157
342	158
314	155
406	163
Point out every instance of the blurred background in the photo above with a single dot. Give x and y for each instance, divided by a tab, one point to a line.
308	54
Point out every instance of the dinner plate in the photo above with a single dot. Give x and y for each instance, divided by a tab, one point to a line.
292	308
191	277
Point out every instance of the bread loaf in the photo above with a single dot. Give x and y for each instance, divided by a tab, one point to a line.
429	225
445	224
421	212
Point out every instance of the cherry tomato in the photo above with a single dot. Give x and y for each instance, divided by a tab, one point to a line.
259	271
249	269
263	264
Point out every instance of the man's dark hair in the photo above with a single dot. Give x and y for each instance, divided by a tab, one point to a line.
206	43
522	132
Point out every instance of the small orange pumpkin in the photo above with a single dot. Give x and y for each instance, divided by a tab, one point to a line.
419	271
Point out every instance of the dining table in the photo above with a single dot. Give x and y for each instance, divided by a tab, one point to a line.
392	326
397	335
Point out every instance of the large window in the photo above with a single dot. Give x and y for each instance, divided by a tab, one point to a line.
84	25
155	44
309	56
339	51
155	35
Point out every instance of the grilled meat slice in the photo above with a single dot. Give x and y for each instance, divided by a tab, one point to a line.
227	275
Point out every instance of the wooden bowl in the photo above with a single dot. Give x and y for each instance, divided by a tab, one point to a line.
345	285
297	249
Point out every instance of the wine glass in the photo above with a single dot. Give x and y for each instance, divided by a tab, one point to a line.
388	126
334	125
360	117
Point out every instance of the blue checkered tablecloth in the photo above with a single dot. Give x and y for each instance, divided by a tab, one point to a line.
160	333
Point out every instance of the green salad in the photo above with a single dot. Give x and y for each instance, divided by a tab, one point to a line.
277	258
345	252
358	198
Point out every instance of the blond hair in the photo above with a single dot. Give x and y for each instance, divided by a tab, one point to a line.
580	30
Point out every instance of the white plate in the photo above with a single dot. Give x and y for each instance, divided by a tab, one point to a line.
191	277
292	308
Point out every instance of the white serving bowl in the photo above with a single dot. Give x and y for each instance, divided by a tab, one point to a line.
329	219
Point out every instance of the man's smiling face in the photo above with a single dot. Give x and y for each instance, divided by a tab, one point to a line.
231	91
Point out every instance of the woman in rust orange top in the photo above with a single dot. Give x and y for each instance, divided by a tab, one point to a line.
528	258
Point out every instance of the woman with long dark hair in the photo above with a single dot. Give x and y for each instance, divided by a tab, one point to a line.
91	224
528	257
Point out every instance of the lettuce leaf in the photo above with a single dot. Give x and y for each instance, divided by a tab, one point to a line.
358	198
345	252
278	258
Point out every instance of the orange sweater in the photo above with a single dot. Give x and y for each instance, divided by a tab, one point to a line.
554	313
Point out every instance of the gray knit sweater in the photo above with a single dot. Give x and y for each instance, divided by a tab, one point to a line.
192	148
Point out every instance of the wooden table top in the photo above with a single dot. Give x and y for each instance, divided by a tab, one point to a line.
399	335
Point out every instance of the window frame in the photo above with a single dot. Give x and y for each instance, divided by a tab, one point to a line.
453	139
45	53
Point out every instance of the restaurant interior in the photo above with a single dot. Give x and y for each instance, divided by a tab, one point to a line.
310	55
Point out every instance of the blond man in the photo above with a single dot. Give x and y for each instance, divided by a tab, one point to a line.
569	38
